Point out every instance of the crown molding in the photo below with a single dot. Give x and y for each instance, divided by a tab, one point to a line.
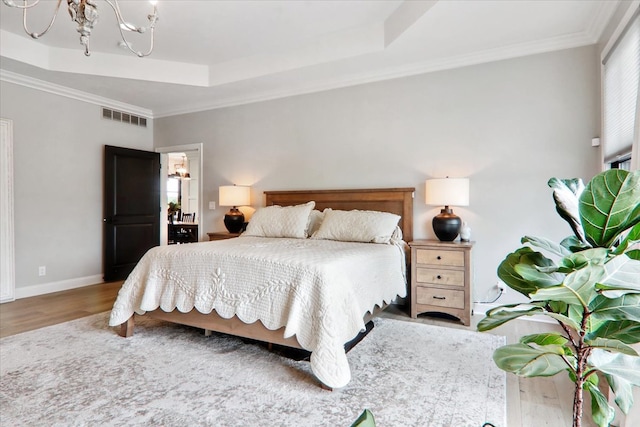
30	82
589	36
601	19
569	41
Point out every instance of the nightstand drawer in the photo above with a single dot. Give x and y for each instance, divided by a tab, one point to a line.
440	277
440	297
438	257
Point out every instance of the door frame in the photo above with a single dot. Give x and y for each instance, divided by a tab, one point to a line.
7	241
164	172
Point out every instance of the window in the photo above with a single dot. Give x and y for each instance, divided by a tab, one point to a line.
173	190
621	74
622	163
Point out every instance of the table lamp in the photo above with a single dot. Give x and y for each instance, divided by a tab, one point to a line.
234	195
447	192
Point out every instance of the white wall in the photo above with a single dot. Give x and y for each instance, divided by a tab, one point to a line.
509	126
58	170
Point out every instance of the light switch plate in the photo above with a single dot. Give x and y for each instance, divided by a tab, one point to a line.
212	205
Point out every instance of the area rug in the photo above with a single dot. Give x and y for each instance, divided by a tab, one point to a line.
81	373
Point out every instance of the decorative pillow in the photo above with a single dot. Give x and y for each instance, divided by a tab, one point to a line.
280	221
315	219
357	226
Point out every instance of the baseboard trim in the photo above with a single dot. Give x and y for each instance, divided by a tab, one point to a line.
62	285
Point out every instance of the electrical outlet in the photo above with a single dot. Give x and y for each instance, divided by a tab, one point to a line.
42	270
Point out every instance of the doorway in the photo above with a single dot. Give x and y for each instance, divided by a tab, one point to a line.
177	161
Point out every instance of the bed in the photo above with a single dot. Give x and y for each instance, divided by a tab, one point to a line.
314	294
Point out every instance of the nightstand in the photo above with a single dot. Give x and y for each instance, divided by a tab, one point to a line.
441	278
222	235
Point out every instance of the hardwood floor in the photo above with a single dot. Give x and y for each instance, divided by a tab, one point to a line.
27	314
531	402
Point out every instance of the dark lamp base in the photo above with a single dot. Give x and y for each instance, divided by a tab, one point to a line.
446	225
234	221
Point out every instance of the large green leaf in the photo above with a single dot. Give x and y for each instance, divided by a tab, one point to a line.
563	319
619	276
546	244
630	239
611	345
503	314
500	315
626	307
622	390
549	342
365	419
617	364
573	244
526	361
578	287
609	205
627	331
566	194
544	339
578	260
508	274
536	277
622	274
601	412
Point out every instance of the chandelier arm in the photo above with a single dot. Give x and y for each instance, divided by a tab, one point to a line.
25	8
153	18
116	9
25	4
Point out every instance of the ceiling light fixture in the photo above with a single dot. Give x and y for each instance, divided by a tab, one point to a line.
181	171
85	14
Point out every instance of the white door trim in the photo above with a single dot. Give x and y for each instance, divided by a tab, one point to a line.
7	246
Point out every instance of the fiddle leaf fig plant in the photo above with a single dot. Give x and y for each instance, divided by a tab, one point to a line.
589	283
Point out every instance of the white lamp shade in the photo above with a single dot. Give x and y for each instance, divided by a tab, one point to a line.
234	195
447	192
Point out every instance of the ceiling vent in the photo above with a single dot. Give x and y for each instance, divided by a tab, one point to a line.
121	116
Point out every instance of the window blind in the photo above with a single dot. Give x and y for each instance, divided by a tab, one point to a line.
621	77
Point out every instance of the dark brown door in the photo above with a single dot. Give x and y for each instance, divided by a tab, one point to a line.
131	208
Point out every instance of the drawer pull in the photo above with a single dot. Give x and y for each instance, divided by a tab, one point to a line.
439	277
437	297
438	257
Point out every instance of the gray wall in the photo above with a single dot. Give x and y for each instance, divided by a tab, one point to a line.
58	165
509	126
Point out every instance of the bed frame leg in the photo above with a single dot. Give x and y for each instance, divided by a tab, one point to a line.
325	387
207	332
126	329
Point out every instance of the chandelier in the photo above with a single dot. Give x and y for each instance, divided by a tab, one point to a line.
181	170
85	14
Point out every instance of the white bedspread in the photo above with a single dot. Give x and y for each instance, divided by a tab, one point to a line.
319	290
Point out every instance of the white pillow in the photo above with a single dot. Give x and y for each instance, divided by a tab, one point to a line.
357	226
315	219
280	221
397	235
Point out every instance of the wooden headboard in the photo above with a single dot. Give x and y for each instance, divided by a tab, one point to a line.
395	200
